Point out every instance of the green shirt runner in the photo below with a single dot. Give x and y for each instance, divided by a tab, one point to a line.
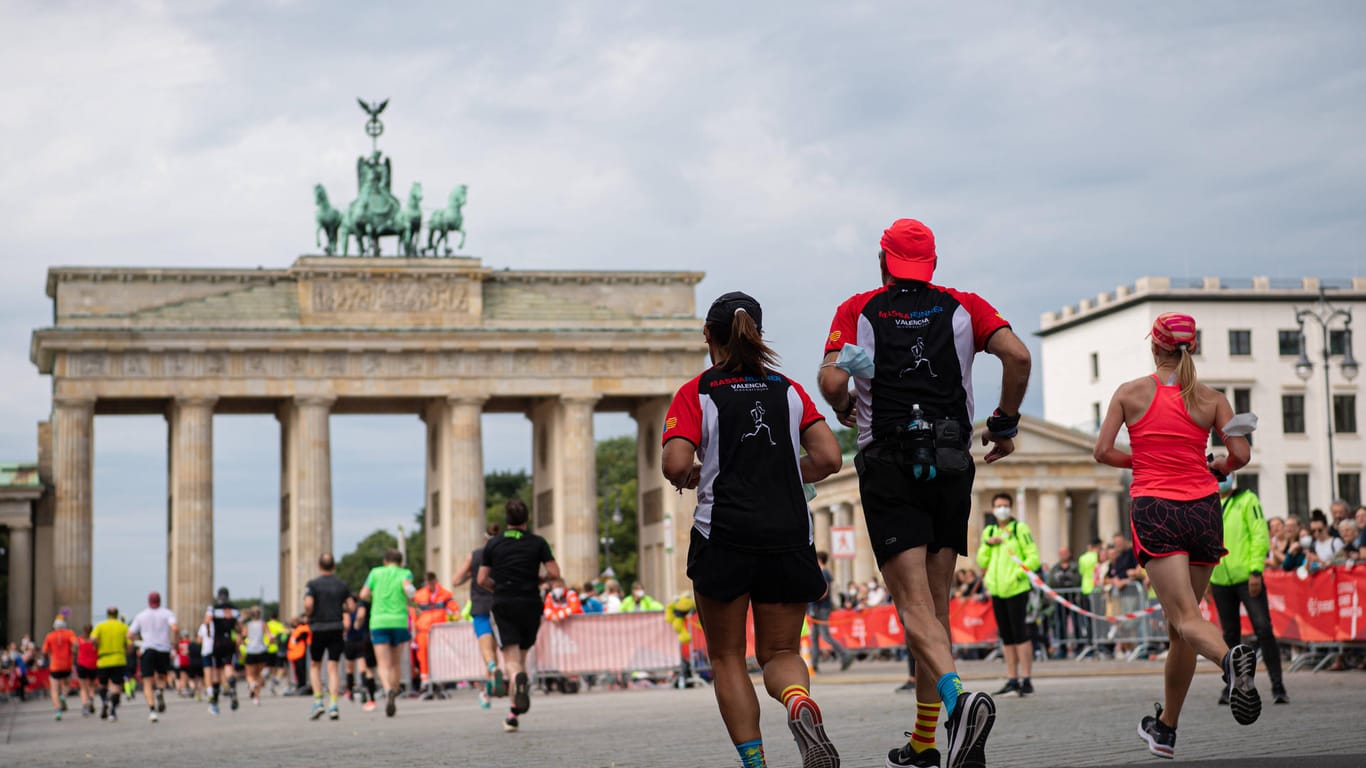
388	603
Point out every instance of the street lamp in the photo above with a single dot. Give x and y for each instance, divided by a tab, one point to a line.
606	539
1324	314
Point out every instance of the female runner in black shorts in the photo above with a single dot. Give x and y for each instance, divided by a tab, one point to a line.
1176	517
751	535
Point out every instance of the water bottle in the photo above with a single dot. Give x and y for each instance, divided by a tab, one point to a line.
921	437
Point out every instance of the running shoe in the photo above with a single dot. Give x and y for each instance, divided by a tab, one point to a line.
1240	664
1011	686
804	720
1026	687
1223	697
907	757
213	708
368	706
1278	695
510	725
63	702
58	715
333	713
391	705
152	717
521	694
484	702
906	687
1160	737
967	728
316	711
104	712
846	661
500	684
113	717
232	698
161	701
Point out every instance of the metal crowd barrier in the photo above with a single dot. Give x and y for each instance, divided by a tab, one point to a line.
612	645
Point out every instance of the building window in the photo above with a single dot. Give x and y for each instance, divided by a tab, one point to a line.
1095	366
1297	494
1292	414
1288	342
1242	403
1337	342
1240	342
1249	481
1349	488
1345	414
1095	416
1199	342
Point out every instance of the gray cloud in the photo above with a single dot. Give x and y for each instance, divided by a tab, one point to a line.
1057	148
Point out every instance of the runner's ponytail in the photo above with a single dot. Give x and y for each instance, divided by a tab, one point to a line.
745	350
1185	376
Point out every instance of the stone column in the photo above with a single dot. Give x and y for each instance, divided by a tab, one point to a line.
663	516
842	569
821	520
1049	533
306	498
73	426
189	530
578	493
455	482
20	612
1107	510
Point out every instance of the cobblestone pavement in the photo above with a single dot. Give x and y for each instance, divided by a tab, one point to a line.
1082	715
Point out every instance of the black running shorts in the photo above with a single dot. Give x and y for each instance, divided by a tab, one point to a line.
1010	617
258	658
724	574
517	622
223	656
59	674
108	675
904	513
155	662
85	673
361	649
329	642
1163	527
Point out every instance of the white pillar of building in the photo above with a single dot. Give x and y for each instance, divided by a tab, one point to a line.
663	515
73	433
455	481
1107	510
189	531
822	518
20	552
1049	534
578	493
843	568
306	495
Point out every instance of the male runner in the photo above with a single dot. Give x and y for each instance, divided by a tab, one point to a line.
481	605
325	604
511	569
909	345
384	603
60	649
224	621
155	626
360	656
111	644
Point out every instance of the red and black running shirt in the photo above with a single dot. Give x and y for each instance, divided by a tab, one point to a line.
922	339
747	431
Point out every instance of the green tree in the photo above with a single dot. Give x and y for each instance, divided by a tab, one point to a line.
617	492
355	565
501	485
415	546
848	440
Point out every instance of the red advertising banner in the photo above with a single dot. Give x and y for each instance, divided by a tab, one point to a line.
1351	585
971	621
1303	610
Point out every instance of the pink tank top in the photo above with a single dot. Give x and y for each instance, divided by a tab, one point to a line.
1169	450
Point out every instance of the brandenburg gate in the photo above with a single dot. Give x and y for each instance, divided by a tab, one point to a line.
446	339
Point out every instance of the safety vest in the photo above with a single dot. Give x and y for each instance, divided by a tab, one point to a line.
298	642
431	605
275	628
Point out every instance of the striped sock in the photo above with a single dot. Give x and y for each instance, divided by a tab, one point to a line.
791	692
926	721
751	754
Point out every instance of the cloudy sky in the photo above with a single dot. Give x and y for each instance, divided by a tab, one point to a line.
1057	149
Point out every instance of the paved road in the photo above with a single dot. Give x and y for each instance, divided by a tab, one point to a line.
1078	718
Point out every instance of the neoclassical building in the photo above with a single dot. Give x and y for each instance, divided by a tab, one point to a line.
444	339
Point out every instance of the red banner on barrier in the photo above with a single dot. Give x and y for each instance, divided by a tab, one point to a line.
1303	610
1351	586
971	621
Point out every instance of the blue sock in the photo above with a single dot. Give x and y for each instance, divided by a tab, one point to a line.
949	686
751	753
